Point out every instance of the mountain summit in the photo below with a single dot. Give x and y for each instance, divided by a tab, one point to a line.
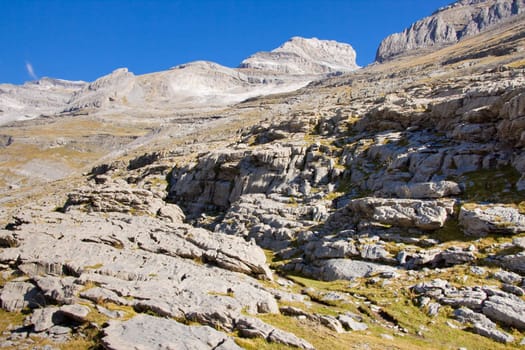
448	25
305	56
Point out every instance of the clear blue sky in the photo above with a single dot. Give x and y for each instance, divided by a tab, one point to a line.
83	40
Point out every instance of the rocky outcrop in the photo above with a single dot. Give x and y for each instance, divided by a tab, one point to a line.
220	178
346	269
491	219
408	213
482	325
137	261
482	306
122	198
301	56
448	25
147	332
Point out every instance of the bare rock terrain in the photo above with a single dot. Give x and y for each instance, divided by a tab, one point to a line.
380	208
448	25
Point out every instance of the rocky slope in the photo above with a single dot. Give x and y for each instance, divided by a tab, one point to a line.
383	208
449	25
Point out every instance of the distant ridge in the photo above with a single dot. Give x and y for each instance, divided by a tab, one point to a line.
196	84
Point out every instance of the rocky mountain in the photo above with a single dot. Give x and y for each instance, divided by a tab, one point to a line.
45	96
300	56
381	208
195	84
448	25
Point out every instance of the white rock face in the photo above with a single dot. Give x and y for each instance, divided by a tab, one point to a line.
120	85
450	24
204	83
305	56
30	100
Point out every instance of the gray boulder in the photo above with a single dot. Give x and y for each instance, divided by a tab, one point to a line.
482	325
350	324
250	327
507	310
144	332
487	219
15	296
513	262
425	215
43	318
428	190
507	277
346	269
59	290
74	312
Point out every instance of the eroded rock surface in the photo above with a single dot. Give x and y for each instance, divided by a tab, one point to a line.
448	25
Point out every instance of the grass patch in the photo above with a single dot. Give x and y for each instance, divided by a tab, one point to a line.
260	344
396	304
517	64
229	293
451	232
93	267
10	319
493	185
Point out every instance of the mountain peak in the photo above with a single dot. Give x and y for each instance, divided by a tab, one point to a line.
302	56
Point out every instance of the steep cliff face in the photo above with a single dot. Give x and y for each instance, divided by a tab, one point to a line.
449	24
305	56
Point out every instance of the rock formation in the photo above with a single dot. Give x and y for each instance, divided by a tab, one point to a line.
42	97
448	25
381	207
300	56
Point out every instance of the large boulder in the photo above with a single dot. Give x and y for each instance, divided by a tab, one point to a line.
144	332
15	296
346	269
506	309
428	190
481	220
408	213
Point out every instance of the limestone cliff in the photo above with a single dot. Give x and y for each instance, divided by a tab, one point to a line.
448	25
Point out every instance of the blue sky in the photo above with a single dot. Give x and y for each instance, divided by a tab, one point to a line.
83	40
